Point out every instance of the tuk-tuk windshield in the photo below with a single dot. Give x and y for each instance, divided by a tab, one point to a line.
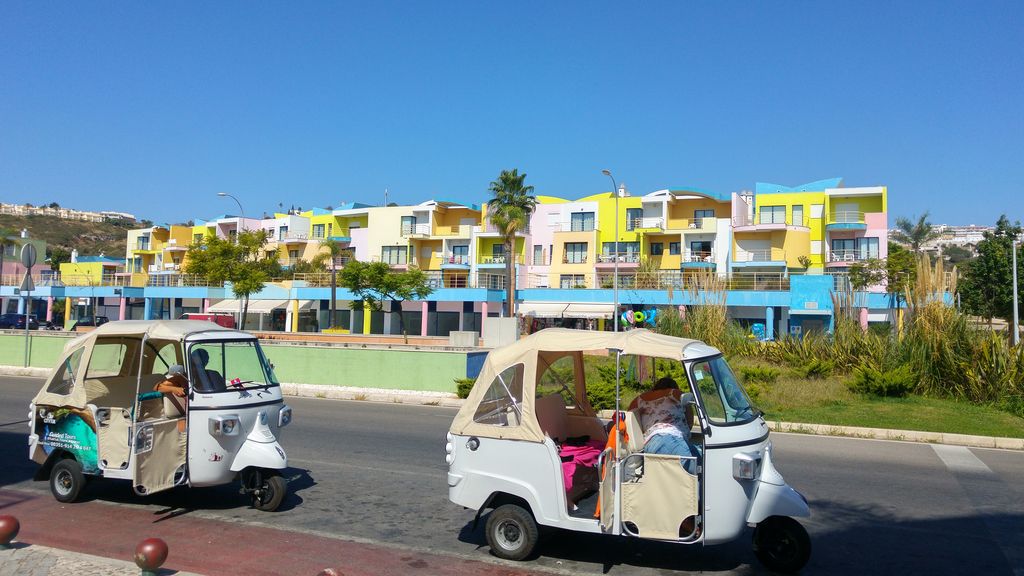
724	399
229	365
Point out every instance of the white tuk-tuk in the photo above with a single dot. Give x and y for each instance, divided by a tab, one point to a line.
513	448
98	414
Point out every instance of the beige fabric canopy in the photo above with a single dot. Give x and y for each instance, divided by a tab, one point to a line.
536	350
156	329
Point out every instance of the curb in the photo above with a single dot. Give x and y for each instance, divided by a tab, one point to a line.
448	400
331	392
900	435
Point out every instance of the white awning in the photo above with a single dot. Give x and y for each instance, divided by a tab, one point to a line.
565	310
255	306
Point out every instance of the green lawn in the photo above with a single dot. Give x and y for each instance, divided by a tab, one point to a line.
911	413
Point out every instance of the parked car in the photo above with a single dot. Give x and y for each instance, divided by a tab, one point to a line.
17	321
90	321
225	320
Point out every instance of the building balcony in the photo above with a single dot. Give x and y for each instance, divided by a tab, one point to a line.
698	260
694	225
574	259
421	230
646	224
766	222
843	258
759	258
455	262
496	261
459	231
846	220
293	238
624	260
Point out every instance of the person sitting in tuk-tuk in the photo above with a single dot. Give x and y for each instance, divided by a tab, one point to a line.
666	418
210	380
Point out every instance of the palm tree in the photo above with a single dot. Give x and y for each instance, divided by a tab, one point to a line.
914	234
510	211
334	249
8	237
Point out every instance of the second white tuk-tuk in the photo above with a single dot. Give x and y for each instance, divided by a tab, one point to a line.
510	449
161	404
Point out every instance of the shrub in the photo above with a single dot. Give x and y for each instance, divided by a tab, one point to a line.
755	374
601	394
816	369
895	383
463	386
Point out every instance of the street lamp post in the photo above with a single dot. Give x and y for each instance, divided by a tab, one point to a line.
241	222
1016	320
615	257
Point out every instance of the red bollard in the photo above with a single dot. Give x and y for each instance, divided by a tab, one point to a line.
150	554
9	527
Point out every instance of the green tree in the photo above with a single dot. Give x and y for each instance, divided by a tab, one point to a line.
900	272
509	211
913	235
956	255
58	256
986	288
334	250
243	263
8	239
375	282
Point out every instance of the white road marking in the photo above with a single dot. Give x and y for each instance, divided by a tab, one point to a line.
960	459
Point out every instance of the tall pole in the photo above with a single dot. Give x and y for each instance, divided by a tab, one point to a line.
241	222
615	257
1016	320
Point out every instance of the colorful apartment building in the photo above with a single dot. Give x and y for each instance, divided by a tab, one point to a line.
780	253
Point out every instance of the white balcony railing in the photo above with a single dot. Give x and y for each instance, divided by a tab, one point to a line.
846	217
766	255
693	256
624	257
645	222
420	228
845	255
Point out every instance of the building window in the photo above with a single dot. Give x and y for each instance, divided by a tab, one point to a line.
575	253
700	251
700	215
673	248
634	218
408	225
844	249
657	248
798	215
393	254
538	255
608	248
568	281
318	230
773	215
582	221
330	230
867	248
282	232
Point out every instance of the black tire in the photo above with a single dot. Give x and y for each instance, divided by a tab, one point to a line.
269	497
512	532
66	480
782	544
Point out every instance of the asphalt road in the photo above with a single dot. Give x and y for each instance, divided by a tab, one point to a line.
375	473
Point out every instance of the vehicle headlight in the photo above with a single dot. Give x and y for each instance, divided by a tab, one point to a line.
284	417
744	467
225	425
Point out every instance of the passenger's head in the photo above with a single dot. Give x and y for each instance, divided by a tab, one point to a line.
201	356
665	383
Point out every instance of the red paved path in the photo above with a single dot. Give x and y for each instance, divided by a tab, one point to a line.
215	547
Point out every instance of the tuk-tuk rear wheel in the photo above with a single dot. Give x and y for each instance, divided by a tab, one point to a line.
512	532
66	480
782	544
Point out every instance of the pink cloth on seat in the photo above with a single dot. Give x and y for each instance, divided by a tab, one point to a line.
585	455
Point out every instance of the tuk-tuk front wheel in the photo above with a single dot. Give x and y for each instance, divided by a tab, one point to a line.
271	492
512	532
782	544
66	480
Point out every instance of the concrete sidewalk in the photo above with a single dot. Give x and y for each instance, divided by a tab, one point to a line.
35	560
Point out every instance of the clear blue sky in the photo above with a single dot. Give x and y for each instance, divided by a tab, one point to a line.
153	107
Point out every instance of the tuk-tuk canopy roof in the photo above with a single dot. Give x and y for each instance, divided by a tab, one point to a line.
176	330
542	348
